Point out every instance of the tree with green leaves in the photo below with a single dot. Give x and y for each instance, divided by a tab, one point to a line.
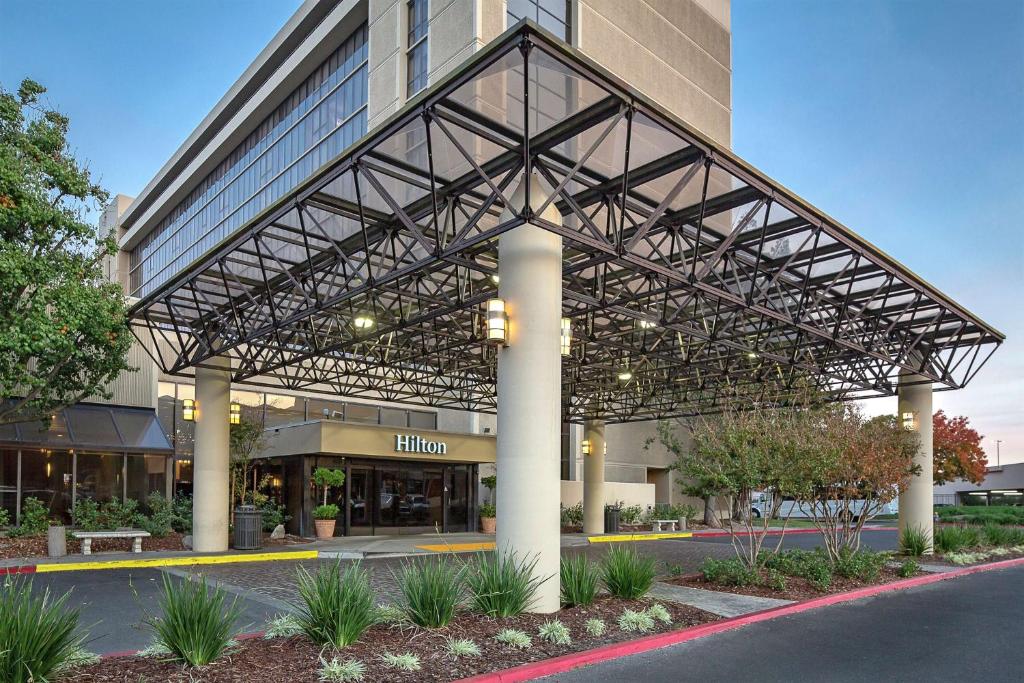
63	329
246	441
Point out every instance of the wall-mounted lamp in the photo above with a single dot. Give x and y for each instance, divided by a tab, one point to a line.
585	446
235	416
497	321
566	336
188	410
909	420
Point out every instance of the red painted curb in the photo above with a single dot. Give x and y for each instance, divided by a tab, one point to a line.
527	672
20	569
778	532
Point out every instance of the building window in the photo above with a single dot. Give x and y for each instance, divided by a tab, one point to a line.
552	15
416	53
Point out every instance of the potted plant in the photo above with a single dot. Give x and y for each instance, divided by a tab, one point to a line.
325	515
488	522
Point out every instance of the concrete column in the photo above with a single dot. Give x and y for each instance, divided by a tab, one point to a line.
593	478
916	507
210	458
529	398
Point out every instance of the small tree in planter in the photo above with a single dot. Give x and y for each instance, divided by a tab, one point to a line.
325	515
488	511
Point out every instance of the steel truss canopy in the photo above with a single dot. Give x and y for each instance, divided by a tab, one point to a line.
685	270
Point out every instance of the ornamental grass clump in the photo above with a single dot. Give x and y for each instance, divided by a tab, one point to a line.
37	634
1002	535
914	541
555	632
337	606
579	580
951	539
633	621
282	626
461	647
196	624
501	586
658	612
406	661
338	671
514	638
431	591
595	627
626	574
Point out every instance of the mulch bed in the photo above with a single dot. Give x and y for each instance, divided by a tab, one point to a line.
942	561
35	546
797	588
297	659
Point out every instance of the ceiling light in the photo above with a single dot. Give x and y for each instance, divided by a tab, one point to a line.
495	278
625	376
646	324
363	322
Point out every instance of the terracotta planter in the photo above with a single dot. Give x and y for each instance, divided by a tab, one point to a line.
488	524
324	527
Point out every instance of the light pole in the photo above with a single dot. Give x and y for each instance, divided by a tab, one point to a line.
998	441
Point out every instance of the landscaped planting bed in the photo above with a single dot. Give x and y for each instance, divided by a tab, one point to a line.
796	587
298	659
967	544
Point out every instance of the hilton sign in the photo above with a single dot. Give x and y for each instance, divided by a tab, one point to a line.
411	443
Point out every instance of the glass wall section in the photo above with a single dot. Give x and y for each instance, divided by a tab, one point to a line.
360	412
9	482
284	410
416	52
184	430
319	409
315	123
550	14
146	474
100	476
165	407
394	417
421	419
49	477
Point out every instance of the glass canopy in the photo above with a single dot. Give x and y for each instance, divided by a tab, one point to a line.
685	269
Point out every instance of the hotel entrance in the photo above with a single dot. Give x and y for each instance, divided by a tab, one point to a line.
407	497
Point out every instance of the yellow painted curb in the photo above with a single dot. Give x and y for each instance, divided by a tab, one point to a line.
176	561
458	547
620	538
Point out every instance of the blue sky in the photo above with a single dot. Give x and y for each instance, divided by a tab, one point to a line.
900	119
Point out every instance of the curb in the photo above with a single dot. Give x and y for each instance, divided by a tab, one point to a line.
527	672
157	562
642	536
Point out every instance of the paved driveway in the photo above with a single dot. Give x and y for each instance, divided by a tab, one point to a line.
965	629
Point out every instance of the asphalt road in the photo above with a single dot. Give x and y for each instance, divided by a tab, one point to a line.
114	604
965	629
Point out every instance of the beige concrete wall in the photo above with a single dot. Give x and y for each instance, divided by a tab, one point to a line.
677	52
628	493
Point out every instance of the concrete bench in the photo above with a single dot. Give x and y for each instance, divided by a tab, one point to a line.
656	524
86	537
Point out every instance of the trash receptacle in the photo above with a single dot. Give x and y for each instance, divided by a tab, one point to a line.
248	528
611	519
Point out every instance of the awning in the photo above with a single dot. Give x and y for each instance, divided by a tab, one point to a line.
703	277
93	428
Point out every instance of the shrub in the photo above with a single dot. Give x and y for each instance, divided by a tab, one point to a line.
514	638
1002	535
908	568
282	626
595	627
811	565
487	510
329	511
406	661
579	580
658	612
181	514
555	632
914	541
863	565
572	515
86	515
685	511
337	606
34	520
337	671
37	635
5	518
728	572
501	586
116	513
632	514
195	624
461	647
430	591
951	539
631	620
774	579
161	515
626	574
273	514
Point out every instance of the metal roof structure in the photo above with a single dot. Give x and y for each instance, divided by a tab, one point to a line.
703	278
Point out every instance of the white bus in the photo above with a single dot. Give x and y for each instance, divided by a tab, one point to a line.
762	504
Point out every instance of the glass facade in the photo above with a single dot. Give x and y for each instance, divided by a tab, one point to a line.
316	122
553	15
417	65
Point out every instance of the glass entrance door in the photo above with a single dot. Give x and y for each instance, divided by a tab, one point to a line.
360	500
458	498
